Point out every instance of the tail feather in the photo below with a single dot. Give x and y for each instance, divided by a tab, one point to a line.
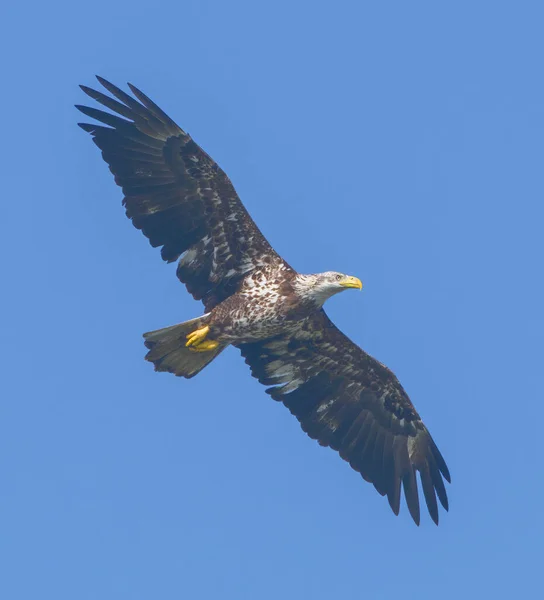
168	353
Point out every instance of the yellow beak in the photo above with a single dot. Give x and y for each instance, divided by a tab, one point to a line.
352	282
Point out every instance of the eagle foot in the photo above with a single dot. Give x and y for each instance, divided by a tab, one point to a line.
197	341
204	346
197	336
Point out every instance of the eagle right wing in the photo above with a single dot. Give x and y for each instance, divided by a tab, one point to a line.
177	195
349	401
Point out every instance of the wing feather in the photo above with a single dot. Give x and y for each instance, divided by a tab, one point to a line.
176	194
349	401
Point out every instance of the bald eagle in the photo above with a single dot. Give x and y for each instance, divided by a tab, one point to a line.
183	202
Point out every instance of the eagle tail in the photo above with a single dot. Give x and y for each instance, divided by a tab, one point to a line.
167	350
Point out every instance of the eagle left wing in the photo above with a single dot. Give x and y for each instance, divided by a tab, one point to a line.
349	401
177	195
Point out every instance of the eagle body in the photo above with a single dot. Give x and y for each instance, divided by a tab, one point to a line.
271	301
184	203
264	307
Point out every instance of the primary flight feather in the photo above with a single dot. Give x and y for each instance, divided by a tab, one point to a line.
184	203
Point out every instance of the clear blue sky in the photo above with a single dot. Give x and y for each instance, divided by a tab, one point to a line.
398	141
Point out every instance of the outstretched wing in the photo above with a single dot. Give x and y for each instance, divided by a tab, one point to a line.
177	195
349	401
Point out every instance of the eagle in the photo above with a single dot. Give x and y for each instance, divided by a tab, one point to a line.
184	203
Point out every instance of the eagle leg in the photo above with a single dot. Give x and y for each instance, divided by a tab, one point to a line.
197	336
197	341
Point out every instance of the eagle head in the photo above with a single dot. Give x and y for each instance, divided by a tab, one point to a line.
321	286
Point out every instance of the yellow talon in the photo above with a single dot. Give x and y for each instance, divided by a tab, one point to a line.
198	336
197	341
204	346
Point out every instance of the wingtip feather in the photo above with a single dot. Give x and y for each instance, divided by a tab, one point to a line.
103	81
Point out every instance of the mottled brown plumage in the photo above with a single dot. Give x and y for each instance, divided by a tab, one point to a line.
184	203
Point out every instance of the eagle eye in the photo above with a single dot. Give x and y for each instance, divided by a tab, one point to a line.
339	277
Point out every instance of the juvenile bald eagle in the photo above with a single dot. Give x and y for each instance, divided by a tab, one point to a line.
182	201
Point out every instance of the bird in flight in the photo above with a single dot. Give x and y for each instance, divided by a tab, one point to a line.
182	201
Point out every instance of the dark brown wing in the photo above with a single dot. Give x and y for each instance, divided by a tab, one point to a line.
177	195
349	401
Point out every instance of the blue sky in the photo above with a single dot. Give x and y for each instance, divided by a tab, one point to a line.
400	142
